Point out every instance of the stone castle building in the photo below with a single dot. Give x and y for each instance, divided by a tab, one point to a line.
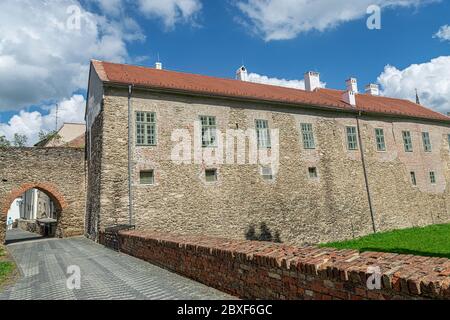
348	163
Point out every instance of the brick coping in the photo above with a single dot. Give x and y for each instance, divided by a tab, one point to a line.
415	276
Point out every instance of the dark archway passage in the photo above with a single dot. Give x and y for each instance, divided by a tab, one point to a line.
57	172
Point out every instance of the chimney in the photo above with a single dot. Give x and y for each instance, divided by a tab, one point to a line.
158	66
373	89
242	74
349	97
312	80
352	85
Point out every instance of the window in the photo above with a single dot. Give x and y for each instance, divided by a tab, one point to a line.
413	178
312	172
145	128
448	138
267	173
426	141
147	177
209	131
262	133
352	139
432	177
308	136
407	141
211	175
381	144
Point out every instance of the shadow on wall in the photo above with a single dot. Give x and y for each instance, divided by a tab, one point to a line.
265	234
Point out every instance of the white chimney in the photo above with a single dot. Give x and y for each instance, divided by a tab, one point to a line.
158	66
373	89
350	98
312	80
242	74
352	85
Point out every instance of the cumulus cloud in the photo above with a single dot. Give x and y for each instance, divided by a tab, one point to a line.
286	19
45	56
171	11
31	123
443	33
431	80
296	84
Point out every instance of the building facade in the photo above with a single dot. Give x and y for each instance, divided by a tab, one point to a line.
347	164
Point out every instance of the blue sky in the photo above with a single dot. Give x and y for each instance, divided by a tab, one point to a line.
279	39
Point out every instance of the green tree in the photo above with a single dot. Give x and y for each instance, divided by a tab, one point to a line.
20	140
4	143
49	136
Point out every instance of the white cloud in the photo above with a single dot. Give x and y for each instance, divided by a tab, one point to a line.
31	123
42	58
286	19
443	33
431	80
296	84
171	11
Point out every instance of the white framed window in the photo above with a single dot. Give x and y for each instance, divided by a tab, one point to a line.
263	133
413	178
147	177
308	136
426	142
211	175
352	138
209	131
381	143
312	171
267	173
432	177
407	141
145	128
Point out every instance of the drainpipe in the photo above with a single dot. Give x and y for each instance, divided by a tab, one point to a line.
130	155
366	178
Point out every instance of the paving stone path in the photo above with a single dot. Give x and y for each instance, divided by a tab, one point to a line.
105	274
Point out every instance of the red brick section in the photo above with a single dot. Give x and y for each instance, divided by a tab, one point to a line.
48	188
260	270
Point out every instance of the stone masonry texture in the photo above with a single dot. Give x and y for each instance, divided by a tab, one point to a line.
304	211
262	270
58	172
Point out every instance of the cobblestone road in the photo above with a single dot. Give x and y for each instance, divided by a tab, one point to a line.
105	274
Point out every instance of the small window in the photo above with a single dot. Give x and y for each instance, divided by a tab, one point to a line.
381	144
263	133
145	128
413	178
211	175
432	177
426	141
448	138
267	173
352	138
209	131
308	136
312	172
407	140
147	177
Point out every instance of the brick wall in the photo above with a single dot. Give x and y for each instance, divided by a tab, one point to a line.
58	172
259	270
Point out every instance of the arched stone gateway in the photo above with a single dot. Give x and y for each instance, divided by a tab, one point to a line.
58	172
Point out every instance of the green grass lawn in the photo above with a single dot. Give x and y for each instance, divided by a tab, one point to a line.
6	267
431	241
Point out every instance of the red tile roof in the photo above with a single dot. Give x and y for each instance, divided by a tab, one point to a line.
199	84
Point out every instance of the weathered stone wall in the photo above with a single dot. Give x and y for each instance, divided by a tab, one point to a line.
303	210
59	172
261	270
